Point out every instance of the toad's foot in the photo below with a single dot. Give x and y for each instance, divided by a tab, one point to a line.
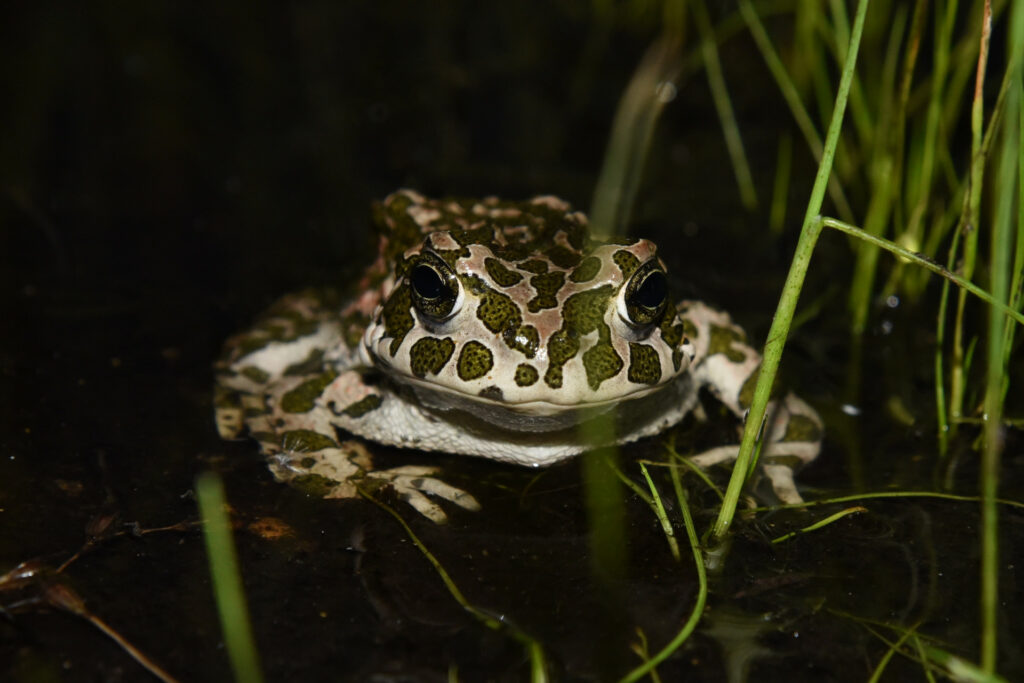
345	470
793	441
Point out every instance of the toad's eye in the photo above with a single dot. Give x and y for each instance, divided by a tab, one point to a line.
646	294
434	287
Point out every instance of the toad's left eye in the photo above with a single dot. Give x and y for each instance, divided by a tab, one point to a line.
646	294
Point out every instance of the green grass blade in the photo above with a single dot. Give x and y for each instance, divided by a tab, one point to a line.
723	105
632	130
1001	246
924	263
227	581
809	233
702	591
789	93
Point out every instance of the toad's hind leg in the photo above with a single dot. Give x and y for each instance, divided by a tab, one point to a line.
793	440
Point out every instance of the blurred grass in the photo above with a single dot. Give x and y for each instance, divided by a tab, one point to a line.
227	580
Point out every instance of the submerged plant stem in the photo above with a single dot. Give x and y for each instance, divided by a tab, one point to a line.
702	590
534	650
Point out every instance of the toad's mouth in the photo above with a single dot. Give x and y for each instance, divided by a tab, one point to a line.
525	416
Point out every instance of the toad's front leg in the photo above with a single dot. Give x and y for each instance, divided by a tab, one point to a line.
729	367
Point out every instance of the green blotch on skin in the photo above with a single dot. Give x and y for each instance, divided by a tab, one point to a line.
397	316
500	274
689	329
722	339
499	314
305	441
626	262
302	398
582	313
644	364
561	348
563	257
601	362
313	363
256	374
450	256
547	286
475	361
314	485
510	252
353	326
483	234
307	462
536	266
802	428
430	354
363	406
749	384
672	333
526	375
251	343
587	270
392	220
526	341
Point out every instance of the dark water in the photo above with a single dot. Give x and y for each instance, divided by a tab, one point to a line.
167	171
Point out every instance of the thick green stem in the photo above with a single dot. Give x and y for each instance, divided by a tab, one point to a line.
791	290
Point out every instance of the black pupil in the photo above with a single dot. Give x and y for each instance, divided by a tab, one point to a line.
427	282
651	292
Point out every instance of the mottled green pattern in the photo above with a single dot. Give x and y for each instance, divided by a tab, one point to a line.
302	398
601	362
561	348
626	262
526	375
313	363
430	354
500	274
256	374
314	485
672	333
498	312
363	406
722	339
563	257
582	313
526	341
394	222
690	330
750	383
305	441
802	428
535	266
547	286
397	316
644	364
475	360
587	270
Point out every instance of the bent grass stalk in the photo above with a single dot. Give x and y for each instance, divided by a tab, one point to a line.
647	668
534	650
809	233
